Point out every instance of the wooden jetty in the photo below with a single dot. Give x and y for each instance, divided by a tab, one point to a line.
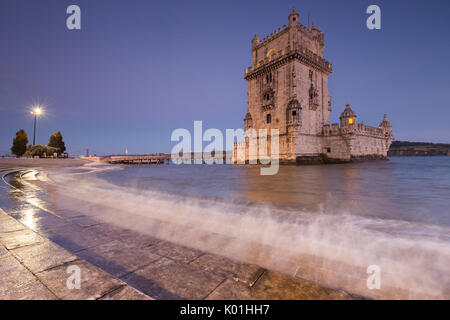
163	158
143	159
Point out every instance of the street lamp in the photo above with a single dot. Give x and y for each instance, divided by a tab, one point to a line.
36	111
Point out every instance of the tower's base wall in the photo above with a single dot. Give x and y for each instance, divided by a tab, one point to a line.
324	159
310	149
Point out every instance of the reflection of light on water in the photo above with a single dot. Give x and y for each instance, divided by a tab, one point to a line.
28	218
33	200
31	175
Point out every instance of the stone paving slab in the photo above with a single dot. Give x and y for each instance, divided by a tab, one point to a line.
43	256
136	239
231	290
85	221
8	224
66	213
43	223
144	283
13	272
126	293
227	268
21	238
33	290
3	251
274	285
74	238
126	236
17	203
180	279
17	282
95	283
175	252
118	258
108	230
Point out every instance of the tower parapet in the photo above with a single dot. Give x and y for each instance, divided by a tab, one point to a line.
283	56
294	38
349	125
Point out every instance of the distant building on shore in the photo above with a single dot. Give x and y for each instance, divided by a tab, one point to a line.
418	149
288	91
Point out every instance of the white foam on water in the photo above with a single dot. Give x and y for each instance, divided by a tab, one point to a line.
333	248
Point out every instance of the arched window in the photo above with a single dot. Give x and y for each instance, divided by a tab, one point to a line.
269	118
268	95
293	113
313	97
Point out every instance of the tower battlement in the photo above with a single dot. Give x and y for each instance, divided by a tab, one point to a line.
283	56
287	39
312	32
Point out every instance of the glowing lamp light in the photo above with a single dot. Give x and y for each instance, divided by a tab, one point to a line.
37	111
350	121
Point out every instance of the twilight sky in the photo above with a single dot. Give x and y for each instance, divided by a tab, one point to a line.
140	69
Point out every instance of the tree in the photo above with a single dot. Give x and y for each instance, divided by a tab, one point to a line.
56	141
20	143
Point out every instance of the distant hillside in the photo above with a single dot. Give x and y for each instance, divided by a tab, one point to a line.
418	149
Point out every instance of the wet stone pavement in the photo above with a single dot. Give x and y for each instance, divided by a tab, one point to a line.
38	248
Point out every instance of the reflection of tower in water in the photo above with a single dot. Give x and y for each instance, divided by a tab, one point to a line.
302	188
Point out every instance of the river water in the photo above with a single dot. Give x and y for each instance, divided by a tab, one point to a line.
326	224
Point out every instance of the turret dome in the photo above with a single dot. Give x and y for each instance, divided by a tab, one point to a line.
348	117
348	112
385	123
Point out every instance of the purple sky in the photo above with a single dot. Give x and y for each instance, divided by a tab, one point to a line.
140	69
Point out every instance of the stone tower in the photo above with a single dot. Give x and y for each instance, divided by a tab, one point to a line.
288	87
288	91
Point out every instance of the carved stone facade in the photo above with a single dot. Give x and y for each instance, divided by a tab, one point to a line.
288	91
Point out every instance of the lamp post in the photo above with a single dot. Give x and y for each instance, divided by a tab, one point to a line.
36	111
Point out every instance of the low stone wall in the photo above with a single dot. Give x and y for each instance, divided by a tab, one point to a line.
368	157
366	146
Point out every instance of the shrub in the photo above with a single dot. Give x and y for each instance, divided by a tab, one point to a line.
41	151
